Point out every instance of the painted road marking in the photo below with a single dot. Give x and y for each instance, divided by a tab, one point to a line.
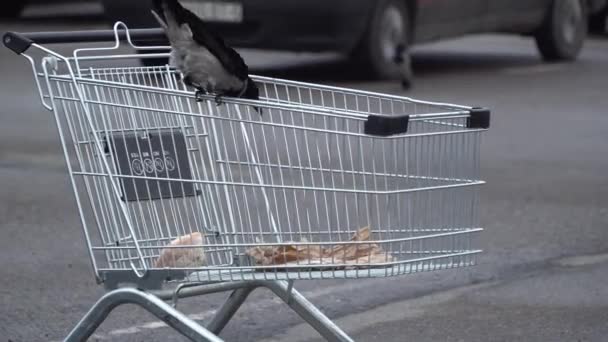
534	69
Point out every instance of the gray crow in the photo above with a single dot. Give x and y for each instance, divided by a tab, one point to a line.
206	62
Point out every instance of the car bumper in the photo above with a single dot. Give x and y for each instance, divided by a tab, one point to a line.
312	25
301	25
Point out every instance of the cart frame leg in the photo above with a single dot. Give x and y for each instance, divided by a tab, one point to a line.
229	308
151	303
308	311
294	299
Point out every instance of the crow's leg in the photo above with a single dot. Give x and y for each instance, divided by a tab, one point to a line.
198	95
218	99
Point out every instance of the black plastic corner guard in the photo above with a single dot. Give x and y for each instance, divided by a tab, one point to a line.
384	126
479	118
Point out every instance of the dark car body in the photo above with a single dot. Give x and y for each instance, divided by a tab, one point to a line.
317	25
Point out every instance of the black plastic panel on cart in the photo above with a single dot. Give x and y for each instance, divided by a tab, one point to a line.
151	153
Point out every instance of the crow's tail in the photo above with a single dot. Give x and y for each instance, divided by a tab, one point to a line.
169	11
252	92
173	5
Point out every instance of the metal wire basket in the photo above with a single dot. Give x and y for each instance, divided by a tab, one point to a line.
323	182
309	182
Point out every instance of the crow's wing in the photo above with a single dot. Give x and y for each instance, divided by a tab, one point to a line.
230	59
201	34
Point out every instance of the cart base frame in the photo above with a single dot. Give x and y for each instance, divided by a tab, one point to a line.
154	302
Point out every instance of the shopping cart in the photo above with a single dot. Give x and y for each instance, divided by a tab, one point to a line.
179	197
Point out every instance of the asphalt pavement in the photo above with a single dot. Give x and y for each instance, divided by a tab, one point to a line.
545	209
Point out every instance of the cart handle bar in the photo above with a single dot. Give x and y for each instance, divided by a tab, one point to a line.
378	125
19	42
388	125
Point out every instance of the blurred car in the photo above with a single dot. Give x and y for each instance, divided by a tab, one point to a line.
13	8
370	31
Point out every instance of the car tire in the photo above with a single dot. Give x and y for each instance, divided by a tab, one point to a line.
12	9
388	31
564	31
598	23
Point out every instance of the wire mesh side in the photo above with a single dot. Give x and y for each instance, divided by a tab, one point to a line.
278	91
288	177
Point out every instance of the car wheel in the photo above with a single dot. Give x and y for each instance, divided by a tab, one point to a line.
382	49
563	33
598	23
12	9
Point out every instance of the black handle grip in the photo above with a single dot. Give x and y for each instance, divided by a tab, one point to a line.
20	42
16	42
